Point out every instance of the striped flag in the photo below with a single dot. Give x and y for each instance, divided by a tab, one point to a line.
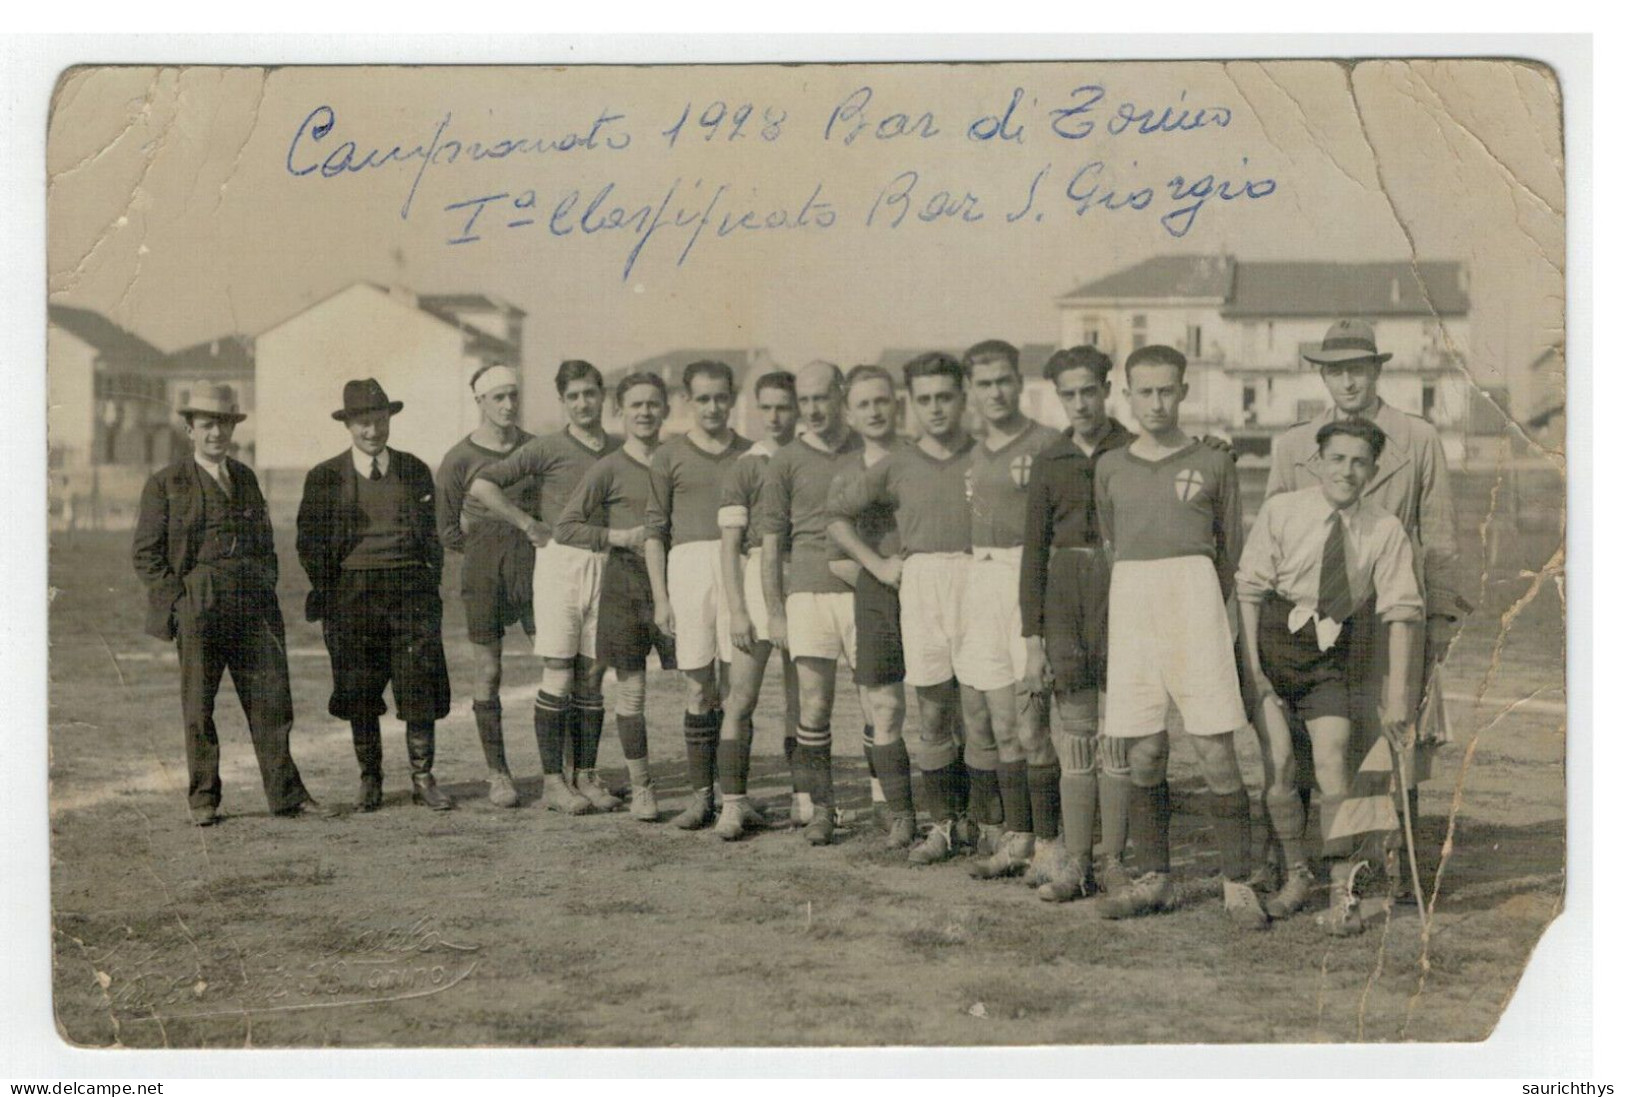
1370	805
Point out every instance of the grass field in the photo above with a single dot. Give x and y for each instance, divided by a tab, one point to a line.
493	927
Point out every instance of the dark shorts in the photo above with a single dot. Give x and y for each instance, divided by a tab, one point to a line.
1075	601
1312	682
626	616
498	561
879	620
384	630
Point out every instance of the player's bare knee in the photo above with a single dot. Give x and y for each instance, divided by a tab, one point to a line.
558	676
1148	759
1216	754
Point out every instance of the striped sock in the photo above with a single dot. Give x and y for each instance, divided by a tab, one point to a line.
700	736
588	727
813	759
551	715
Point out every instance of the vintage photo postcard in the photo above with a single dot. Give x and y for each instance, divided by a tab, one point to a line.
925	554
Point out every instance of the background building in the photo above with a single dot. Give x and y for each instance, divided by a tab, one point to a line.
1244	327
422	349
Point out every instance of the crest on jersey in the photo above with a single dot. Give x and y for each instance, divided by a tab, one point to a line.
1021	469
1188	484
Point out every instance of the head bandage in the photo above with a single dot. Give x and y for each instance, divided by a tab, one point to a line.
494	378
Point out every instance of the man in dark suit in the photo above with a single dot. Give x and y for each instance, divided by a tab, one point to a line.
203	548
367	539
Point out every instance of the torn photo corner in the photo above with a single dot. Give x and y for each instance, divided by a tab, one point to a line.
1314	240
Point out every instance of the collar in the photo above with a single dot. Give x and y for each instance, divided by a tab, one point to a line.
1116	436
363	462
217	470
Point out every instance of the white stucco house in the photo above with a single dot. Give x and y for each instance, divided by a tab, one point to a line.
1244	325
423	349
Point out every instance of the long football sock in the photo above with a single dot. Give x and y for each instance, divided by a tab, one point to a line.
986	805
877	793
730	767
551	715
891	763
1148	818
588	727
700	737
1044	794
1116	806
488	722
1080	800
1016	797
813	756
1231	814
958	787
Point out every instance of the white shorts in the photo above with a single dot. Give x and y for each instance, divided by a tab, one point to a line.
929	604
564	592
699	604
821	626
995	653
1169	641
755	600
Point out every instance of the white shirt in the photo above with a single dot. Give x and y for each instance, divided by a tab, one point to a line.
216	472
1284	553
363	462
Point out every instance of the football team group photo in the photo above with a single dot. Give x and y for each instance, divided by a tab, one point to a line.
821	556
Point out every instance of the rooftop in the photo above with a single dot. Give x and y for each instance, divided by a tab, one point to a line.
1302	288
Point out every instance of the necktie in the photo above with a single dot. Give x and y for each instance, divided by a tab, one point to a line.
1336	602
375	474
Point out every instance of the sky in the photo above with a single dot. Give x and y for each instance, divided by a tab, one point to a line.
817	211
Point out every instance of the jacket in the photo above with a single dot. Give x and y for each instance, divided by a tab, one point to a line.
329	523
169	531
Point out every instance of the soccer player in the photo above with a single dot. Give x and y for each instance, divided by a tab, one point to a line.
1065	582
1412	482
683	551
570	702
497	557
1314	556
1015	780
605	514
871	409
1170	509
739	519
809	610
925	486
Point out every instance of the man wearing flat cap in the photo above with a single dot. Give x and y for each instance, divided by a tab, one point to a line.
1412	483
367	540
203	549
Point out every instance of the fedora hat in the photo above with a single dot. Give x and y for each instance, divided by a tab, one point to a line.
1347	341
209	398
361	397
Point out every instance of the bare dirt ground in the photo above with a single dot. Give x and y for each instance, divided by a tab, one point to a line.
517	927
